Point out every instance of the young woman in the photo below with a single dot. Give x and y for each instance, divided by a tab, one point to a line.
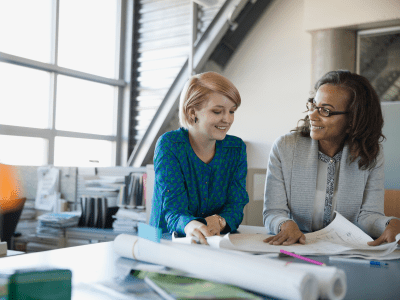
333	162
200	171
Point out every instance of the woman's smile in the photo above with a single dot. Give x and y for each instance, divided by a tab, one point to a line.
313	127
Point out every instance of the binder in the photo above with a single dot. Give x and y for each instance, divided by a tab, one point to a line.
90	212
102	215
133	191
96	212
82	219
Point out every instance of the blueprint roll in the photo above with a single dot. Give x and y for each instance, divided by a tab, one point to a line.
257	275
331	280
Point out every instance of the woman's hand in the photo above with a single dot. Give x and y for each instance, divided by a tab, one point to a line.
213	225
389	235
289	234
197	229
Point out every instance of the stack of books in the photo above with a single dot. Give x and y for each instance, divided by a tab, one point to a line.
133	194
127	220
53	224
104	186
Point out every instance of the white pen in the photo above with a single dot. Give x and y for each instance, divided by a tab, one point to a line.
360	261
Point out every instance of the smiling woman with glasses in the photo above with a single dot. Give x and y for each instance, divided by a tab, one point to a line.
332	162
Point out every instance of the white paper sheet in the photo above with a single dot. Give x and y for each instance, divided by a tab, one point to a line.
264	276
339	237
48	187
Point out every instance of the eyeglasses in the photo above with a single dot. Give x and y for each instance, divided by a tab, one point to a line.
323	111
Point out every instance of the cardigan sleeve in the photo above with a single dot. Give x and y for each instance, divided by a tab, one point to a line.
276	209
169	180
371	218
237	196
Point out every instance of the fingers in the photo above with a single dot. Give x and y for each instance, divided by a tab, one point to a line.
286	239
391	239
277	239
290	241
377	242
268	239
214	230
280	240
302	239
271	239
382	239
197	233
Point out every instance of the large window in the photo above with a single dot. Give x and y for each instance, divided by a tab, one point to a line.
379	61
63	82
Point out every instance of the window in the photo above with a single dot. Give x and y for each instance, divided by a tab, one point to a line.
379	61
63	81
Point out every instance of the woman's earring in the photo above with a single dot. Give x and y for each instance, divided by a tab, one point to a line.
195	119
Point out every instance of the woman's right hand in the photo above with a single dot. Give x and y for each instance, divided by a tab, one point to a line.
289	234
197	229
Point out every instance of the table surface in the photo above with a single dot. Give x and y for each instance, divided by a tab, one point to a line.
97	263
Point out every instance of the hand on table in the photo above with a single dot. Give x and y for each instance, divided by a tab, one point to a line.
289	234
199	230
389	235
213	225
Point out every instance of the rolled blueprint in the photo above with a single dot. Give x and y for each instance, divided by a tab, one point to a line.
331	280
258	275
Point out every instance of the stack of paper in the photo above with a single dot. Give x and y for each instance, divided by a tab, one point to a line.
341	237
52	224
127	220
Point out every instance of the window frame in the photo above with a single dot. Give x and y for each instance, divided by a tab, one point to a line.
122	83
374	32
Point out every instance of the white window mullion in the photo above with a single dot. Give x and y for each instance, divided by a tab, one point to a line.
53	85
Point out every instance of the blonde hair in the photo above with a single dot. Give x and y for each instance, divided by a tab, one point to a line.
197	90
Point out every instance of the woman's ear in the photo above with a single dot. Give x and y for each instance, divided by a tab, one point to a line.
348	129
192	114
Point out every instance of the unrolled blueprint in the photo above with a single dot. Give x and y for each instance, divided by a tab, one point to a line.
341	237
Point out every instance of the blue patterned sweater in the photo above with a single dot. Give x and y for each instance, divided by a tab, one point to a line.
188	189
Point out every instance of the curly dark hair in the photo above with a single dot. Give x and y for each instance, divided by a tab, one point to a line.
365	116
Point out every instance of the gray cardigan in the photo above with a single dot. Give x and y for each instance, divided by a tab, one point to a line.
291	183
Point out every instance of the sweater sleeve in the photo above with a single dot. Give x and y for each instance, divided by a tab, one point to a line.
173	199
371	218
276	208
237	198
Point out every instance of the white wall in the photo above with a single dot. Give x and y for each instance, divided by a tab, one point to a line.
272	71
361	14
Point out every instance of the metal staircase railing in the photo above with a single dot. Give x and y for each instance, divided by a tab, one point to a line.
143	150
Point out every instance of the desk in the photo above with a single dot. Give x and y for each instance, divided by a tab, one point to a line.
98	263
13	252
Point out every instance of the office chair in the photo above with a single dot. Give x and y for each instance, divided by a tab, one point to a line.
9	221
392	203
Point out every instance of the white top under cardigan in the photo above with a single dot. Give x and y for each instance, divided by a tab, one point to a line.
291	187
320	192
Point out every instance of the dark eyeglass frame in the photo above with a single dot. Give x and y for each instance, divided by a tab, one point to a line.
321	108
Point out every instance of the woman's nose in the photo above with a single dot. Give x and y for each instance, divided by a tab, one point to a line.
227	118
313	113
